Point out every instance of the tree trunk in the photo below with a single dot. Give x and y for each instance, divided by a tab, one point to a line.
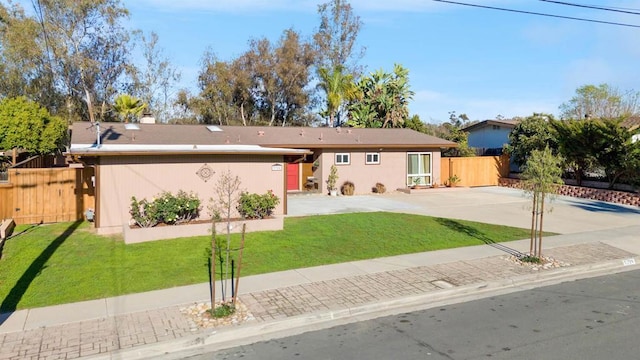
542	195
533	222
235	295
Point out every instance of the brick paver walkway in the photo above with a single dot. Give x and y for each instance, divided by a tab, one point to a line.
101	336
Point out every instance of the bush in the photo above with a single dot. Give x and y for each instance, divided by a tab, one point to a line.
348	188
167	208
379	188
256	206
177	209
144	213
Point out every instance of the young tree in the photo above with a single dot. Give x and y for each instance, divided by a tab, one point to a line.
601	102
227	192
541	176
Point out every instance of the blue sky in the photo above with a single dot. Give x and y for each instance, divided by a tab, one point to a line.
469	60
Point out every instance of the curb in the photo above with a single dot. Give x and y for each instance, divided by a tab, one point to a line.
250	333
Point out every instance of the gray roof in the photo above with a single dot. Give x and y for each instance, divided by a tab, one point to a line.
506	123
157	136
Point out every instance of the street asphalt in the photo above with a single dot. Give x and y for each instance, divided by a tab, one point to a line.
595	238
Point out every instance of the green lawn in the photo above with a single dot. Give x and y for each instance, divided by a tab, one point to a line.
61	263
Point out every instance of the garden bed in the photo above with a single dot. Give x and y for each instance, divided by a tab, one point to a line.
134	235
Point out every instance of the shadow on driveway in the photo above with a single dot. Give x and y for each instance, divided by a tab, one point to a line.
601	206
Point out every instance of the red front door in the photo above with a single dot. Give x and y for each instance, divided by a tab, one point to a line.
293	179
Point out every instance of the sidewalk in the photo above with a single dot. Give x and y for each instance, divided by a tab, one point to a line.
151	325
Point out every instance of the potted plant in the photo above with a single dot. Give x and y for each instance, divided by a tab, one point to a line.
331	180
453	180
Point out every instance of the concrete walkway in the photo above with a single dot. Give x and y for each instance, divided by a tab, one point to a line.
151	325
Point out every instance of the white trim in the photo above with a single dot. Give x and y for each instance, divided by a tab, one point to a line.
160	148
373	155
342	155
428	174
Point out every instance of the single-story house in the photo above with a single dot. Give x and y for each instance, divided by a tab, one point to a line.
143	160
489	136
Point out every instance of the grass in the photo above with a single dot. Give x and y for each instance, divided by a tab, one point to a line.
67	262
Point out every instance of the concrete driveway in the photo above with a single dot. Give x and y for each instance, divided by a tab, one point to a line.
495	205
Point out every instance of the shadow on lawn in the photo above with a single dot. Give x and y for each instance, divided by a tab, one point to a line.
473	232
10	303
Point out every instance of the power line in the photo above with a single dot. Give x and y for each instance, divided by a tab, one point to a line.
539	14
593	7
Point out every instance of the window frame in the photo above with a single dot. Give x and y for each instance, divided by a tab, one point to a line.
341	157
428	175
372	162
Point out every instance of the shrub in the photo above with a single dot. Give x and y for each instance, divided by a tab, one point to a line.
167	208
144	213
177	209
256	206
379	188
348	188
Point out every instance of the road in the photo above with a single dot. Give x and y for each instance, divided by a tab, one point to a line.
594	318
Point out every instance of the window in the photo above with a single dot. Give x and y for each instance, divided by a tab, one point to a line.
496	127
372	158
418	169
343	159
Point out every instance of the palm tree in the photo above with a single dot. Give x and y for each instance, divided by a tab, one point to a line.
128	107
338	87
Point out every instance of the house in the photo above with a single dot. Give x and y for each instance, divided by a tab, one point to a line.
489	136
143	160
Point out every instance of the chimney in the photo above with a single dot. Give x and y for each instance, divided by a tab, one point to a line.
147	118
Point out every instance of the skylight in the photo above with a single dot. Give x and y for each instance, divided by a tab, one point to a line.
213	128
131	127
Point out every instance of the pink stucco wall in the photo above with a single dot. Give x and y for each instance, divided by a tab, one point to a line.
122	177
392	170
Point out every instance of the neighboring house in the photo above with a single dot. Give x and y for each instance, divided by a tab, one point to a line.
143	160
489	136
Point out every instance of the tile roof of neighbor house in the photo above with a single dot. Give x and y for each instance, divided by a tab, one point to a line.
115	137
481	124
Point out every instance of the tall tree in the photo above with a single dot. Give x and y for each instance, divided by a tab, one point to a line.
335	40
128	107
532	133
601	102
26	125
577	140
338	88
155	80
77	51
387	95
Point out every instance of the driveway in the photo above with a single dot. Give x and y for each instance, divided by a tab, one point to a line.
495	205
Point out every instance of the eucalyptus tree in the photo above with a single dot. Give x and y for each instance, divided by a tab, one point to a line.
601	102
155	80
70	55
336	38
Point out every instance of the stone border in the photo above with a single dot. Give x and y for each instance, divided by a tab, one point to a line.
612	196
138	235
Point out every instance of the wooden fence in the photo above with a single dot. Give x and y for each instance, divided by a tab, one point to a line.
47	195
475	170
